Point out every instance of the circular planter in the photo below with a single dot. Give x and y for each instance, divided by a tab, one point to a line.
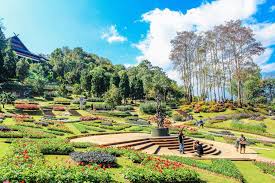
160	132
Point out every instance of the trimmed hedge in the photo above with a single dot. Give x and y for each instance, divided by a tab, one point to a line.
124	108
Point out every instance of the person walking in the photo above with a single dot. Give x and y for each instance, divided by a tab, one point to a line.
237	144
242	143
181	142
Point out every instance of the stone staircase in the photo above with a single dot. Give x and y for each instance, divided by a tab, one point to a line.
154	144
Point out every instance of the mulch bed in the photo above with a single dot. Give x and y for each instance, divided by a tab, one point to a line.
48	112
74	112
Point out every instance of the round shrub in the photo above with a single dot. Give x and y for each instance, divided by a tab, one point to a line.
177	117
94	157
148	107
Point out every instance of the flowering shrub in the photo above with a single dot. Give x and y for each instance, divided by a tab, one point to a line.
135	156
26	164
22	116
27	106
266	167
186	128
59	108
221	166
89	118
154	119
158	170
60	129
185	109
94	157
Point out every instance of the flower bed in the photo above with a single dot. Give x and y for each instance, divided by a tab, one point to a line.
158	170
27	156
60	129
89	118
27	106
154	119
59	108
62	101
94	157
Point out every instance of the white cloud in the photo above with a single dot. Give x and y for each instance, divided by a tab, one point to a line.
163	25
265	32
263	58
112	35
174	75
272	8
268	67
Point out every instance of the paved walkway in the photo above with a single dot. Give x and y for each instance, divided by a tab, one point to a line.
228	151
111	138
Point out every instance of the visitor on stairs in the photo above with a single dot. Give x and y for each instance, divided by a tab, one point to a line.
198	148
181	142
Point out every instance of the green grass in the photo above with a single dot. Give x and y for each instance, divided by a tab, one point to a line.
252	173
4	147
267	151
8	121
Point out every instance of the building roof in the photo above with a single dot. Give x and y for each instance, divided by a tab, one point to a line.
22	51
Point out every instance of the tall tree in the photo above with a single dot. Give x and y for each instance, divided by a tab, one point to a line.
124	86
99	81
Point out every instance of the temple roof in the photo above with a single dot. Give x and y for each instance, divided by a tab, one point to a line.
22	51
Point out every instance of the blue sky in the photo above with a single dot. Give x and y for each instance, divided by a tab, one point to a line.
126	31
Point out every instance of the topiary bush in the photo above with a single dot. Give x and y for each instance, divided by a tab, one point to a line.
94	157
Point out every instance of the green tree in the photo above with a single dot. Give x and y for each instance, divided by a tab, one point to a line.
113	96
115	79
37	78
6	98
85	81
10	60
22	69
124	86
137	91
99	81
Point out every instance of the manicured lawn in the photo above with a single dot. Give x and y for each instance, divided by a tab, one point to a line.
266	151
213	114
8	121
252	173
4	147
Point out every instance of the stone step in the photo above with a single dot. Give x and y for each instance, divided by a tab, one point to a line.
131	144
154	149
143	146
177	146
